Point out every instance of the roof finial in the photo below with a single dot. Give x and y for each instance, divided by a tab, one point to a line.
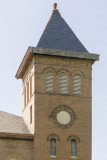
55	8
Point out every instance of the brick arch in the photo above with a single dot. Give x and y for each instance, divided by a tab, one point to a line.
49	69
73	137
53	136
79	73
13	156
63	70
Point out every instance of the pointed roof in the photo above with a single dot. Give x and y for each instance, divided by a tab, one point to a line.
57	40
58	35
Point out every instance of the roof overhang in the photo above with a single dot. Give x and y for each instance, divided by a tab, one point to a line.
16	136
52	52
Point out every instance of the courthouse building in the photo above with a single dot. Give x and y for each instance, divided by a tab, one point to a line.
56	122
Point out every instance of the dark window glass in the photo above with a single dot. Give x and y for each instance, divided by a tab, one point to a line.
53	147
30	114
73	149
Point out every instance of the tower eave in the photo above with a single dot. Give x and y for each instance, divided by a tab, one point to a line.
25	62
52	52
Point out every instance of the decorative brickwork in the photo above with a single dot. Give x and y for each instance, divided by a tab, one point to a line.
67	109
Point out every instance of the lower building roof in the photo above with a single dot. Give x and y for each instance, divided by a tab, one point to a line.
10	123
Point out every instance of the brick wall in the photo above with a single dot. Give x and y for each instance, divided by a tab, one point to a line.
19	149
45	104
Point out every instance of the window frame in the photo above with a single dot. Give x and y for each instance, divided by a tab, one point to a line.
79	94
52	155
48	83
74	156
60	83
31	114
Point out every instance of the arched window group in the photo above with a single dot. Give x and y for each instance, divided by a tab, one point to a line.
63	85
27	91
73	139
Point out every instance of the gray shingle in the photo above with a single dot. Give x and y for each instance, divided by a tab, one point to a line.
10	123
58	35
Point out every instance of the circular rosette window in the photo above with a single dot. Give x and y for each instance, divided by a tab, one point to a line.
63	116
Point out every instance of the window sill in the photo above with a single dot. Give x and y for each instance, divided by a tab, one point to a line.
53	156
73	157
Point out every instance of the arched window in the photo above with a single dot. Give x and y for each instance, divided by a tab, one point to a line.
30	86
73	149
63	83
53	147
77	84
49	82
24	96
27	91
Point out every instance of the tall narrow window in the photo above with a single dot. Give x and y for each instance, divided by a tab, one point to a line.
77	84
24	96
30	114
53	147
63	83
73	149
27	92
49	82
30	86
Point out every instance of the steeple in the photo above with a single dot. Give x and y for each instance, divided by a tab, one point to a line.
58	35
56	90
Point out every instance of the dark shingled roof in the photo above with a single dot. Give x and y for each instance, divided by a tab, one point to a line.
10	123
58	35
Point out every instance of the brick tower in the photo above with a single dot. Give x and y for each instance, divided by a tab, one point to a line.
57	101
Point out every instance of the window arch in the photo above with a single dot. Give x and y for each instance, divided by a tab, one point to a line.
49	82
77	84
53	147
73	149
63	83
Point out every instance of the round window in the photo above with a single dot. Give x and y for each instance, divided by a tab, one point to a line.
63	116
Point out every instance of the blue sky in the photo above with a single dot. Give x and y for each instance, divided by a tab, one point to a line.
22	23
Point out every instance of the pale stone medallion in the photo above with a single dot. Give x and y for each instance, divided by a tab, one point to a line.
63	117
